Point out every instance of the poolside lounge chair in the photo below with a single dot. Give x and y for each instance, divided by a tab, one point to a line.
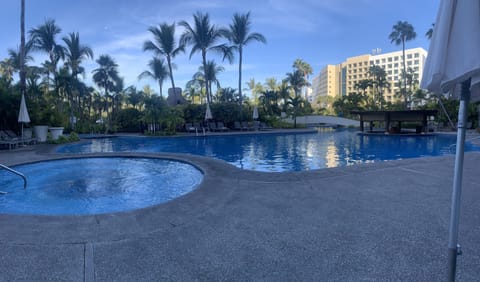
190	128
200	128
247	126
238	126
5	139
264	126
212	126
256	125
221	126
14	136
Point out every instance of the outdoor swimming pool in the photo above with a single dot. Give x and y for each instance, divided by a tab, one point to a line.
95	185
283	152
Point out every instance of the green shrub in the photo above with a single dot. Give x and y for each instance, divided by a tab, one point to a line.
128	120
62	139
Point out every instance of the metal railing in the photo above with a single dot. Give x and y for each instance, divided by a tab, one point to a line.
17	173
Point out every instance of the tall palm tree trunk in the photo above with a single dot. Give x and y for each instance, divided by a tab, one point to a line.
160	85
240	54
204	58
404	74
171	73
22	48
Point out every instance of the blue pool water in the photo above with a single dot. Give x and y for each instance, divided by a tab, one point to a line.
283	152
95	185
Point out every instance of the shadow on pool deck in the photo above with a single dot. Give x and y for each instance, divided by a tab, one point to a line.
382	222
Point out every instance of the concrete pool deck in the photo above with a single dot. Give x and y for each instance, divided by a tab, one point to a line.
374	222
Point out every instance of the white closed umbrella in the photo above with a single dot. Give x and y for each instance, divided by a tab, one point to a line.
23	116
453	59
208	112
255	112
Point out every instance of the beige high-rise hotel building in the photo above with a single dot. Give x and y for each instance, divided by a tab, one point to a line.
340	80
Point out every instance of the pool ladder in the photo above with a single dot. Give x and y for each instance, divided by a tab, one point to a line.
17	173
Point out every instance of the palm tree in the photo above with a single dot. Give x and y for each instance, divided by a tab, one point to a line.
379	82
305	68
239	35
363	85
134	97
22	49
269	101
227	95
164	44
284	94
158	71
42	38
296	81
15	63
32	75
106	77
7	69
296	103
255	88
75	53
196	86
411	83
271	83
202	36
401	33
210	74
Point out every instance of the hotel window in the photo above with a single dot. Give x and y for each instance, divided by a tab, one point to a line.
395	71
409	63
416	55
389	59
396	65
383	60
390	72
409	56
377	61
389	66
395	58
416	62
395	78
415	68
360	64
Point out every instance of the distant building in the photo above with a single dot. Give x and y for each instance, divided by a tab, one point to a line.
175	97
340	80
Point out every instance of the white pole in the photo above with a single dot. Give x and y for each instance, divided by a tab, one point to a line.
453	247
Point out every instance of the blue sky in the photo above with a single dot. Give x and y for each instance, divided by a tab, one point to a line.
318	31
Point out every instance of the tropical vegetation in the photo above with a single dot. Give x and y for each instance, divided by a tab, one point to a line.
58	94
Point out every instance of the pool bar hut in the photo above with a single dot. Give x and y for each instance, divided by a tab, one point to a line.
393	120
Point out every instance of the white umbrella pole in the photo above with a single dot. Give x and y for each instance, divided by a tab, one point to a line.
453	247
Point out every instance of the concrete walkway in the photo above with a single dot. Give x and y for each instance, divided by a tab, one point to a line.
378	222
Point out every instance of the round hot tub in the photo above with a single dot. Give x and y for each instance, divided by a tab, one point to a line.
95	185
